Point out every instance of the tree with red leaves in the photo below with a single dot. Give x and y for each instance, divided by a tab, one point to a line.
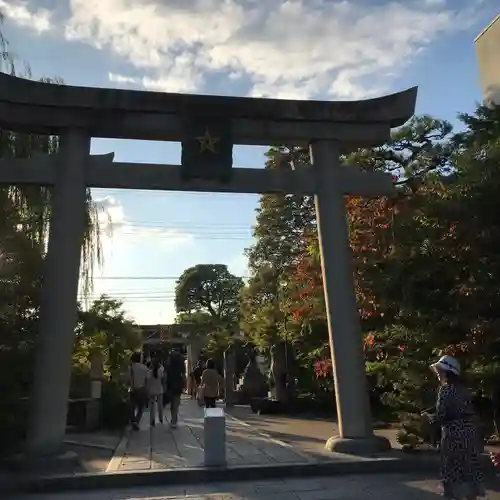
425	262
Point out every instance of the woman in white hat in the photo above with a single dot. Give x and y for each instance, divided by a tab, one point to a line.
460	443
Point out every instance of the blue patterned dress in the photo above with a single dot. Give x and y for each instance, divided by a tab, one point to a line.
461	445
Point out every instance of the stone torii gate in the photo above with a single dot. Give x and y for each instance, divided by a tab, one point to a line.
76	114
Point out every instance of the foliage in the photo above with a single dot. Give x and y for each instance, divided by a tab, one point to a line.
283	224
104	333
24	229
115	406
104	330
398	358
210	288
19	291
422	146
209	295
438	280
425	264
205	332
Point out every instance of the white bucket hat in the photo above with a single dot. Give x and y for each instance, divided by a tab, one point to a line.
447	364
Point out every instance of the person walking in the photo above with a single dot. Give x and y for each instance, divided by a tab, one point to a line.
156	377
461	444
211	383
176	380
197	373
138	377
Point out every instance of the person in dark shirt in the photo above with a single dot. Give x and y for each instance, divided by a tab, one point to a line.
176	381
196	377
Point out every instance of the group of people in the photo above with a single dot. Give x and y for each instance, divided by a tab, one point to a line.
154	385
206	383
160	384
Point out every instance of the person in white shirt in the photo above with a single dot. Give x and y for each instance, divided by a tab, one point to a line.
155	384
138	377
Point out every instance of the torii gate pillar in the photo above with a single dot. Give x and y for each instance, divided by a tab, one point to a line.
354	416
56	337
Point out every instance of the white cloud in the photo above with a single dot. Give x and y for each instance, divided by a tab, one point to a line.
177	80
113	77
115	229
435	3
110	212
292	48
19	13
123	243
239	265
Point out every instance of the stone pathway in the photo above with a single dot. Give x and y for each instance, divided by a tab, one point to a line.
94	449
163	448
371	487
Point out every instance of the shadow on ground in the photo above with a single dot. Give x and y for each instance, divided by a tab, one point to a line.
373	487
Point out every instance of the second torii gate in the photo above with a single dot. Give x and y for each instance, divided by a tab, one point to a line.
207	126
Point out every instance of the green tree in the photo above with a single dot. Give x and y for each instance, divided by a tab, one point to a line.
474	234
21	259
208	295
439	283
24	229
104	334
423	145
103	329
283	224
285	293
33	202
212	289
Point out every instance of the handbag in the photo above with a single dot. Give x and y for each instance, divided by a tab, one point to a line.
199	396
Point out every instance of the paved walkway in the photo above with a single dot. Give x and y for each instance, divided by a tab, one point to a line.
160	447
372	487
306	434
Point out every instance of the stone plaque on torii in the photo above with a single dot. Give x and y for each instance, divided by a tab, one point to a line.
207	126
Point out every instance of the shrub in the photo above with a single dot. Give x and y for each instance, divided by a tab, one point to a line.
115	409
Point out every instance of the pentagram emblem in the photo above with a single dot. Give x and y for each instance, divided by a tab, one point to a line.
207	142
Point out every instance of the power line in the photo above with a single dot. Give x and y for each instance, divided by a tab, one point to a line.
146	294
211	228
134	294
171	237
132	290
134	301
126	297
139	293
146	277
182	223
191	194
164	234
144	299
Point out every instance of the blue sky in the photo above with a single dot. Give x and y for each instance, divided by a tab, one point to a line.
316	49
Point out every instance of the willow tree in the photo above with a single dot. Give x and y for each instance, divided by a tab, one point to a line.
34	202
24	230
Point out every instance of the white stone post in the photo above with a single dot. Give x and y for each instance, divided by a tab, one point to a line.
214	437
54	348
354	418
